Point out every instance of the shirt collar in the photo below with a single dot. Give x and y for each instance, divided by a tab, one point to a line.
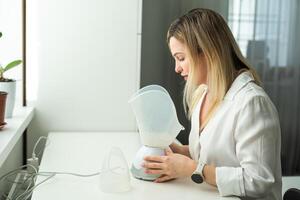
241	81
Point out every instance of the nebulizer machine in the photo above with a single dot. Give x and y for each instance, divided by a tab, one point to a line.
158	125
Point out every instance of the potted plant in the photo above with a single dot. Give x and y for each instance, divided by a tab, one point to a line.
9	86
3	96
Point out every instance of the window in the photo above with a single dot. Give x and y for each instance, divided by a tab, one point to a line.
11	41
264	26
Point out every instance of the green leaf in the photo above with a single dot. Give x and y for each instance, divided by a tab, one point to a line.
12	65
1	72
0	34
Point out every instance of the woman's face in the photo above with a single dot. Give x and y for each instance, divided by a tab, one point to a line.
182	62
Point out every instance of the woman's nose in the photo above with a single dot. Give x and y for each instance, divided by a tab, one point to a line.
178	69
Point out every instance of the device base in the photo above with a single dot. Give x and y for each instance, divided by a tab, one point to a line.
140	174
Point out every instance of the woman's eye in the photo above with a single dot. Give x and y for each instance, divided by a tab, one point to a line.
181	59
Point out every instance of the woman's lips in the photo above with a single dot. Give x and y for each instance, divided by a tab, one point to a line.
185	77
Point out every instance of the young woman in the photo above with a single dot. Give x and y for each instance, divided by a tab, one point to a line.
234	143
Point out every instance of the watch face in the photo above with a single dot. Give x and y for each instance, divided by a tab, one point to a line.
197	178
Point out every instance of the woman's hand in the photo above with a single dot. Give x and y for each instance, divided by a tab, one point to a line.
170	166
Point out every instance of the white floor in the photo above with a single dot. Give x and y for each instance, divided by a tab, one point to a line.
290	182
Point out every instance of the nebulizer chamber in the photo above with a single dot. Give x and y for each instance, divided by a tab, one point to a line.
157	122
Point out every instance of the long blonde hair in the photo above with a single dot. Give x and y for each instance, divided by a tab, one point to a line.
205	31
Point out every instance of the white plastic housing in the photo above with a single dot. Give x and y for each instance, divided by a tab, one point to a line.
156	116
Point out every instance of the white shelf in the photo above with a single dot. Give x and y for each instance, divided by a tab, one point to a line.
13	130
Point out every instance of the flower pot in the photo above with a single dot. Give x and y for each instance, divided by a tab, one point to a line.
3	96
10	88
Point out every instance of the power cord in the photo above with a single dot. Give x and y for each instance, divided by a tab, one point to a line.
29	174
34	160
28	183
31	178
18	171
35	146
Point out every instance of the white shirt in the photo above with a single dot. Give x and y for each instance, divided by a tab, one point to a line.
243	141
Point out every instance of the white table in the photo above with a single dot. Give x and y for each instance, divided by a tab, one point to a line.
83	152
290	182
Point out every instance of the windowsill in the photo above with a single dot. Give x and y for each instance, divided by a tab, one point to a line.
13	130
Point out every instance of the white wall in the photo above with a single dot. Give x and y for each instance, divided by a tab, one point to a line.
86	54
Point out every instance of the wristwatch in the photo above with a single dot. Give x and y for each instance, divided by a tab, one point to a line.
197	175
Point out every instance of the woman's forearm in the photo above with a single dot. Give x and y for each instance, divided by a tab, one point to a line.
209	171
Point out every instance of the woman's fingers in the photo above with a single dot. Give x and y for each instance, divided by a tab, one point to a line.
157	164
168	151
163	178
155	158
154	168
154	171
152	165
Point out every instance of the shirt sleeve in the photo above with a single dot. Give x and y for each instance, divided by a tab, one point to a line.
257	139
